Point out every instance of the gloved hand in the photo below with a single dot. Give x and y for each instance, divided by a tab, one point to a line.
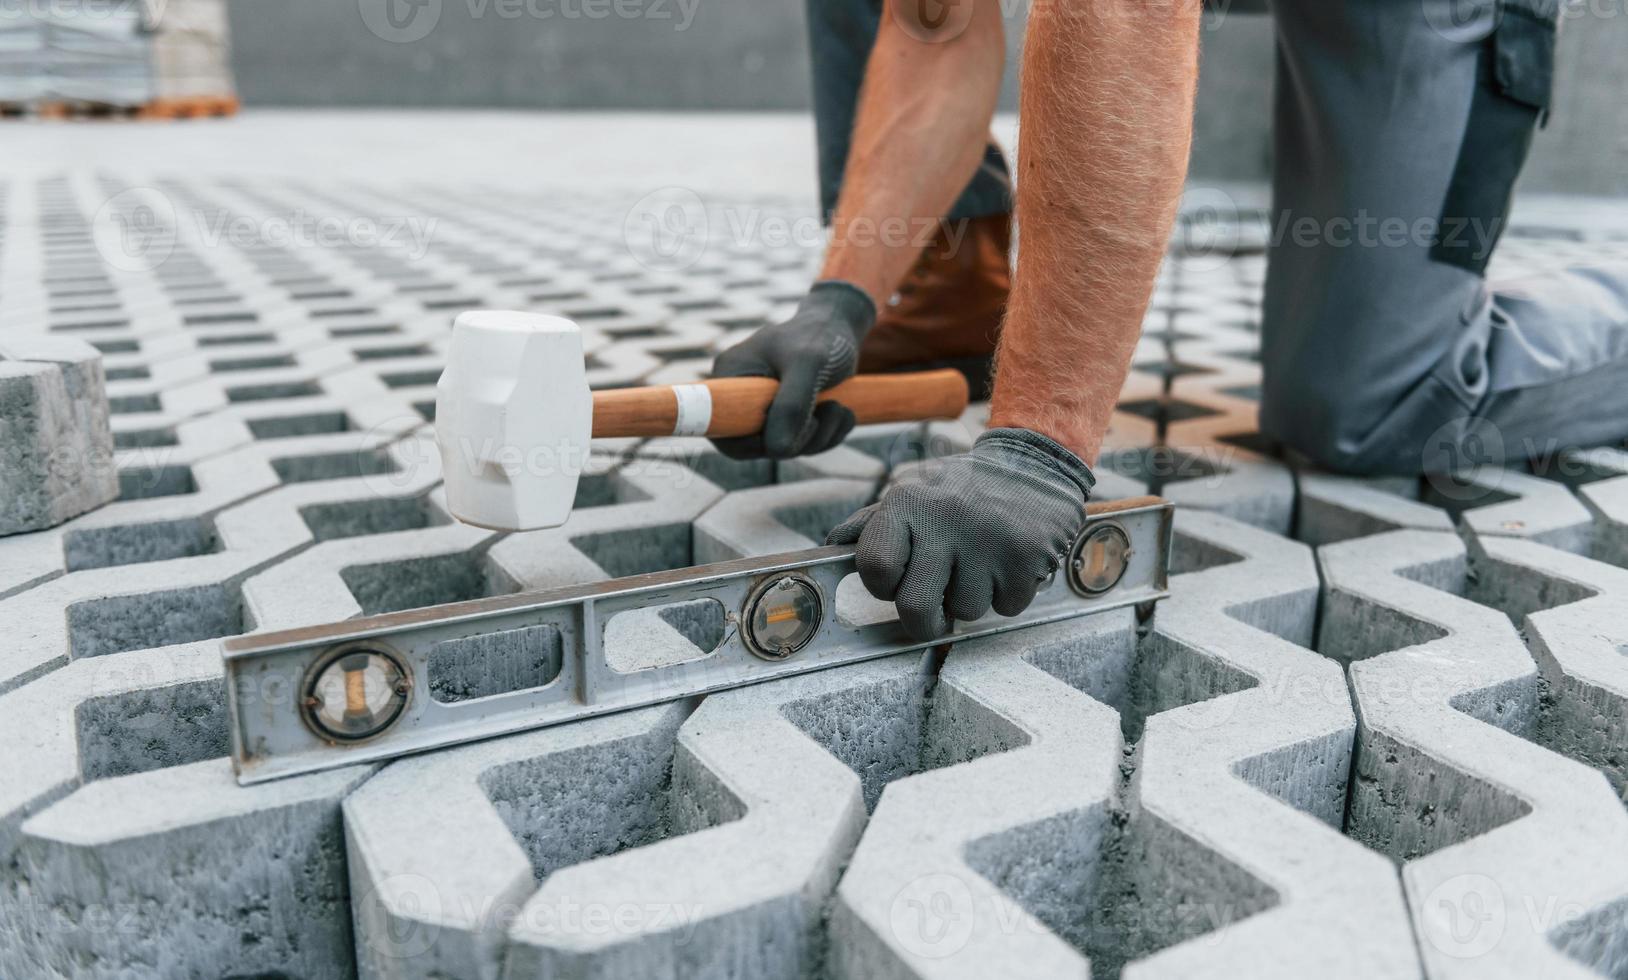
985	527
818	348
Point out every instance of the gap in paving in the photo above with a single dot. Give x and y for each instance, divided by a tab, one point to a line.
413	583
308	424
134	372
1121	892
151	728
118	624
599	800
131	544
333	466
1582	731
270	390
385	353
636	551
146	438
371	515
484	665
1596	940
370	330
145	482
222	340
902	727
252	363
411	379
134	404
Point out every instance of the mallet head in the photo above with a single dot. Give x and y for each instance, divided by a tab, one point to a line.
513	419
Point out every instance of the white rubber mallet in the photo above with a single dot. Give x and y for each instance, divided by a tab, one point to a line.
514	414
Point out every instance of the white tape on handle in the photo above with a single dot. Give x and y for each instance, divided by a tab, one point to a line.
694	410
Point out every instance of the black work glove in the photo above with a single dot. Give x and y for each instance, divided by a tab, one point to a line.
982	528
818	348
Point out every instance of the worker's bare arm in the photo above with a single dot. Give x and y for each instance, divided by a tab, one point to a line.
1107	103
919	135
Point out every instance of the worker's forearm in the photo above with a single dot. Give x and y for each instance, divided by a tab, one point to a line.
919	136
1107	102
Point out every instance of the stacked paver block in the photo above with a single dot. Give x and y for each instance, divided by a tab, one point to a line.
1489	827
56	447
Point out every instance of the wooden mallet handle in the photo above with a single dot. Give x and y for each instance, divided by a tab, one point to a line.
728	407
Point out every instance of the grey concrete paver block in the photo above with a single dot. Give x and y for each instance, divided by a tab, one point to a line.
630	517
1574	614
56	446
181	872
1337	508
777	518
1495	502
957	864
1484	821
1258	775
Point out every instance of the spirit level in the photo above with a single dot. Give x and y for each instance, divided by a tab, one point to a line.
320	697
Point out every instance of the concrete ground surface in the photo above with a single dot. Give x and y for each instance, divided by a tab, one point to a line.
1380	728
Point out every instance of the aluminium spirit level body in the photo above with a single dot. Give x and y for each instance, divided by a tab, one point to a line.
317	698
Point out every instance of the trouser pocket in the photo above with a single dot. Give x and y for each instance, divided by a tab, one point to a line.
1515	80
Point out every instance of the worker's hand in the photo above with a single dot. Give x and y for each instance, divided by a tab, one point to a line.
983	528
818	348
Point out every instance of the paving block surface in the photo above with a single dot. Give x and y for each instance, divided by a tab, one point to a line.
1377	730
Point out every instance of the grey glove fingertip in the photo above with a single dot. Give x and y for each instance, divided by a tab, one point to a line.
848	531
884	552
1010	600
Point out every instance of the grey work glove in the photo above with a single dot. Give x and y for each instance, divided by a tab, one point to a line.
818	348
985	528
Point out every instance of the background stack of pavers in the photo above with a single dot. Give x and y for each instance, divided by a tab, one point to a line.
1378	730
124	53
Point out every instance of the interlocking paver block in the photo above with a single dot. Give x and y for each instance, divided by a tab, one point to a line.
269	404
1495	502
56	446
1336	508
181	872
1574	614
1486	824
963	869
1258	772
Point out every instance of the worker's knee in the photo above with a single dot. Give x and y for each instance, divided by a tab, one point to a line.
1322	422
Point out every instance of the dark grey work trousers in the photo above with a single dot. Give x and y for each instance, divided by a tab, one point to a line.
1400	127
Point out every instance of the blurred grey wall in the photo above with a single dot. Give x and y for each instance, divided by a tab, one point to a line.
751	54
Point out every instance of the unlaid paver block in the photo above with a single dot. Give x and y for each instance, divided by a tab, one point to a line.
56	444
